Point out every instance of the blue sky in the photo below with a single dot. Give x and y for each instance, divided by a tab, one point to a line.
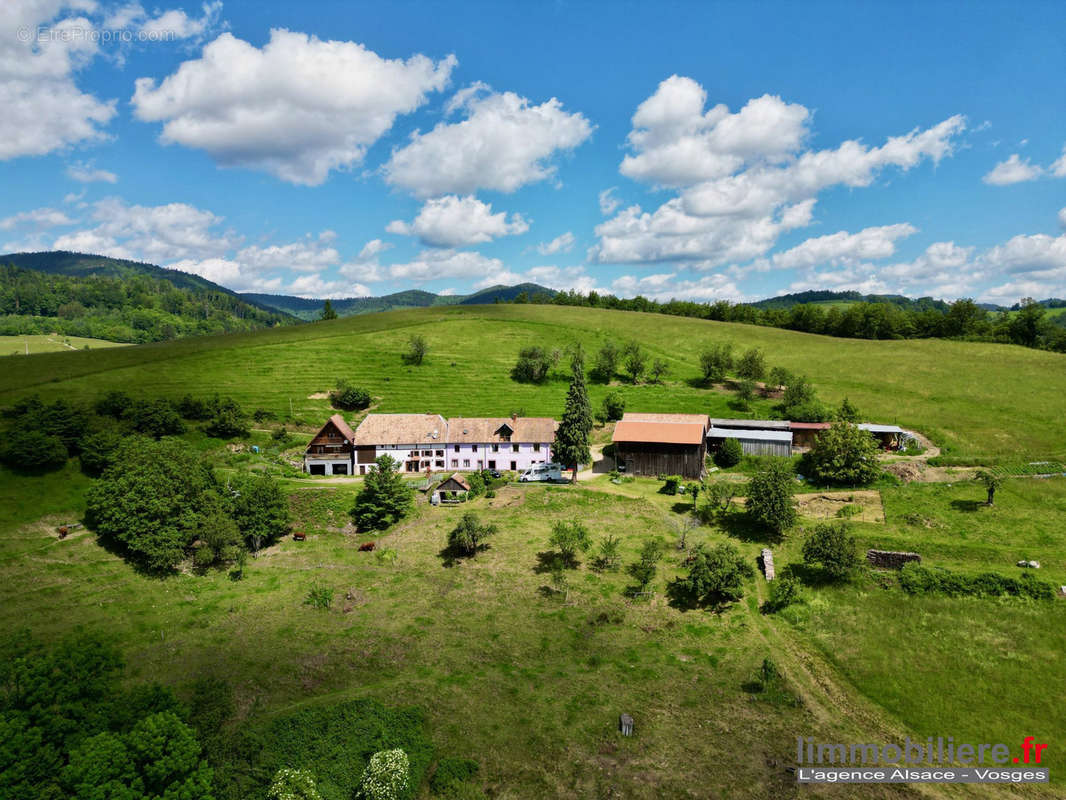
690	150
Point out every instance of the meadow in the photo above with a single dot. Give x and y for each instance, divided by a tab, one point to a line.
980	402
50	343
530	680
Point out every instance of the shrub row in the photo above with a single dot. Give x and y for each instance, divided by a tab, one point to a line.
916	579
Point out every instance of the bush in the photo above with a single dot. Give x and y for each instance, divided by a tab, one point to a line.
533	365
609	552
319	596
260	508
469	535
715	577
32	451
614	406
451	774
98	450
729	454
194	408
916	579
770	500
715	362
113	404
293	784
830	548
348	397
386	777
844	455
752	365
229	421
672	484
606	364
569	537
636	361
153	499
155	418
783	592
385	497
416	349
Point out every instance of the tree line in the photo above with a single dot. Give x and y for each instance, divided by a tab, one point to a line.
135	309
1027	324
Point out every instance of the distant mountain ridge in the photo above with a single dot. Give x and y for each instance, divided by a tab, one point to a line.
311	309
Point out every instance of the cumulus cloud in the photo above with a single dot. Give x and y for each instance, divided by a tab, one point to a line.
297	108
667	286
445	263
1028	254
158	234
306	256
843	247
38	218
231	274
1058	167
44	110
608	202
503	143
563	243
1062	217
87	173
742	179
1013	170
452	221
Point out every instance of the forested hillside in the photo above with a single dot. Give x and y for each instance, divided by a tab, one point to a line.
131	307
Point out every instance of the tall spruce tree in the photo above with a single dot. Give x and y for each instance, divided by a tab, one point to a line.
572	438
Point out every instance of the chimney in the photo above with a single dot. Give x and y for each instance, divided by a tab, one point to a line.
514	417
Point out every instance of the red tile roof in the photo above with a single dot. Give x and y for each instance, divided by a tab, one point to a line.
659	432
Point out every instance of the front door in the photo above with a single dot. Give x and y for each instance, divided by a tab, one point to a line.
514	466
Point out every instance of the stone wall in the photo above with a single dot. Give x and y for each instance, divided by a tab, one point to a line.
890	559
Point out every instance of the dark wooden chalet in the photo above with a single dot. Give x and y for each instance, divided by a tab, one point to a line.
332	450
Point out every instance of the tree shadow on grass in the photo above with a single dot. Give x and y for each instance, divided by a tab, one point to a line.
968	506
813	577
742	527
551	560
450	556
682	507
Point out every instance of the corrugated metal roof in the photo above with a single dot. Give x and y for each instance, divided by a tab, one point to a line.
760	436
873	427
752	424
658	432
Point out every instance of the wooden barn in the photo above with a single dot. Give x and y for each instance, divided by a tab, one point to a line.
453	488
661	444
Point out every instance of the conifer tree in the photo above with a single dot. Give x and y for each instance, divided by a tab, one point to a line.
572	438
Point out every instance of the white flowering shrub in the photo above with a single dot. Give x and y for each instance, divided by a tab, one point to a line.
385	777
293	784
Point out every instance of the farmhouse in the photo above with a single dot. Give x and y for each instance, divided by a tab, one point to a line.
421	442
752	441
416	441
514	443
332	450
661	444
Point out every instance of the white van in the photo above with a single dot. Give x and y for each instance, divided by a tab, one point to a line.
550	473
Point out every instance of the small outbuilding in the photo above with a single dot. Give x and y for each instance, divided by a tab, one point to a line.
889	437
753	442
661	444
453	489
751	424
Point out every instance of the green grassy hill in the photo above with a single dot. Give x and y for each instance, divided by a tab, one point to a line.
979	400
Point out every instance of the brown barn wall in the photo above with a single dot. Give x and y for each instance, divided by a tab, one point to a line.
661	459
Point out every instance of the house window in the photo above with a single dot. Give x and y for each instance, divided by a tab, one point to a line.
475	448
514	466
427	452
492	465
466	462
514	448
456	448
495	448
440	462
440	454
536	448
455	462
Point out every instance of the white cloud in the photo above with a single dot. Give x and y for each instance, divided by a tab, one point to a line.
843	247
297	108
1028	254
665	286
1062	217
1013	170
503	144
437	263
44	110
608	202
373	248
231	274
675	143
1051	284
304	256
38	218
1058	167
452	221
87	173
743	179
157	234
563	243
316	286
